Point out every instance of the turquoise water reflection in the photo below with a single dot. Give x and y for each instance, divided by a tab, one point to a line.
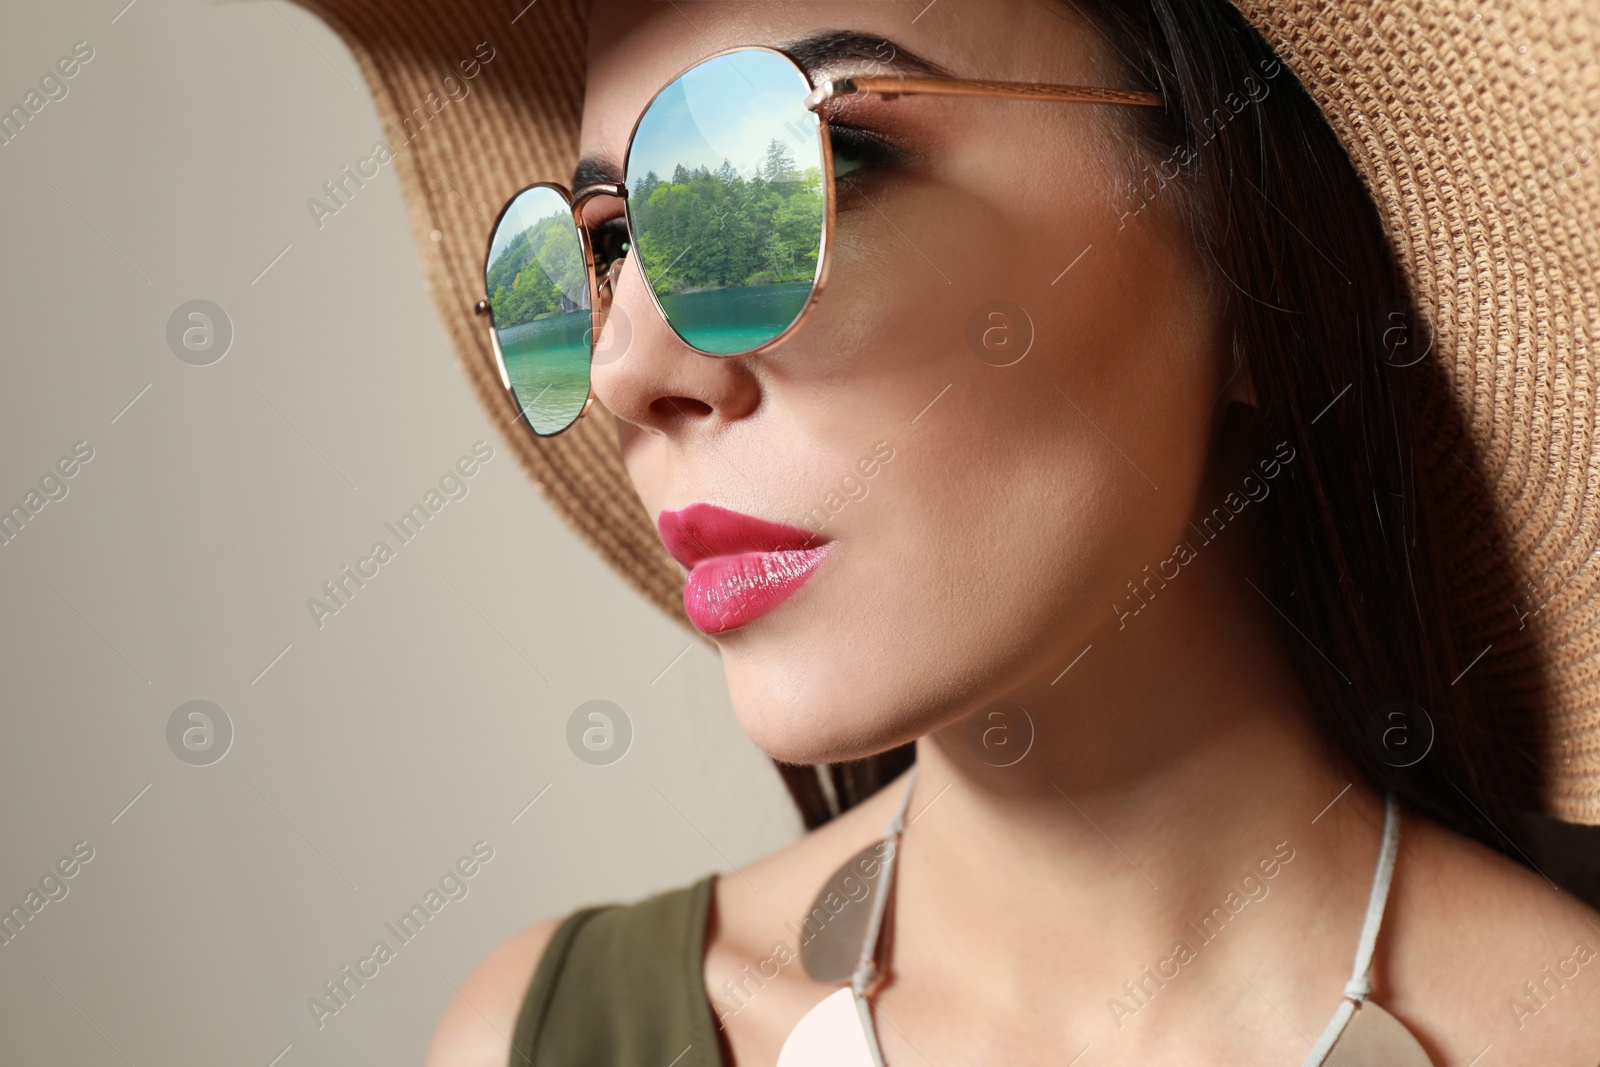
547	361
737	318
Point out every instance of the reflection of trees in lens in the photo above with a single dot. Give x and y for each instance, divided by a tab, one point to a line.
706	229
539	273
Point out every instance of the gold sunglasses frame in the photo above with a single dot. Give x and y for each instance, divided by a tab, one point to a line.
601	291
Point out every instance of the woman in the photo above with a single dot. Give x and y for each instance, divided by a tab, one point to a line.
1105	478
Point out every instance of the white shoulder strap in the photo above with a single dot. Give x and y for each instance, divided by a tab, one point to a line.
1360	986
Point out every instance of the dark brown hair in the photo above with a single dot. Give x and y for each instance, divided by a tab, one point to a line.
1320	313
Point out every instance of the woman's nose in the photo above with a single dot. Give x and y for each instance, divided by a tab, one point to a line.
646	375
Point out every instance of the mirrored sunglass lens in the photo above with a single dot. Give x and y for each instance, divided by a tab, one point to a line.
539	301
725	198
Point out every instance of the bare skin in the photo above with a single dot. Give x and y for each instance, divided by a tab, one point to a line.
1173	750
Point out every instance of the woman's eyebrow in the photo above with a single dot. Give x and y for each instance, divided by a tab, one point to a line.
595	170
830	48
857	53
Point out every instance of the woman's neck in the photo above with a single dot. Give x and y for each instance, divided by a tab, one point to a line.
1176	801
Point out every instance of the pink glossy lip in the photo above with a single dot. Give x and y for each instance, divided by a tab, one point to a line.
740	567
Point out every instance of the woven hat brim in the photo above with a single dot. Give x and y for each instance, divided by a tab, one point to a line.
516	124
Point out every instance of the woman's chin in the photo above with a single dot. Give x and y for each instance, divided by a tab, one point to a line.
787	744
820	728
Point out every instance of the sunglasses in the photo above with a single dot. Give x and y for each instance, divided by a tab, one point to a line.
728	198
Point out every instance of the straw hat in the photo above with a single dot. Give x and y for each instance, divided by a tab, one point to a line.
1475	127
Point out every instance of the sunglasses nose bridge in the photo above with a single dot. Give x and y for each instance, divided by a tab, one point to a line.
605	283
588	192
606	286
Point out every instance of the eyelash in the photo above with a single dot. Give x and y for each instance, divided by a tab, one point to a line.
862	149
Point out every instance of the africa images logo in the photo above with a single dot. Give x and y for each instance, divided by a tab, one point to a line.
1251	489
344	187
341	589
453	885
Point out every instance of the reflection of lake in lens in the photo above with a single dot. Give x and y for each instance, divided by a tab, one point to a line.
547	362
727	199
735	318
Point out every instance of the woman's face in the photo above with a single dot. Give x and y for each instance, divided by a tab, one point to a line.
1007	507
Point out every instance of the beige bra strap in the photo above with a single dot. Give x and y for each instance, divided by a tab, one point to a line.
866	972
1360	986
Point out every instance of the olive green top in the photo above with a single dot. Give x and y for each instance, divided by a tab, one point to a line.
621	986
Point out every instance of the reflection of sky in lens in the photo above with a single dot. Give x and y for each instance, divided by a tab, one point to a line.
529	208
729	108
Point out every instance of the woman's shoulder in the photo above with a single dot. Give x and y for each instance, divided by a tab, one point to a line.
1486	952
475	1029
565	981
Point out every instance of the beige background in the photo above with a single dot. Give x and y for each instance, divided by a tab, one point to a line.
376	750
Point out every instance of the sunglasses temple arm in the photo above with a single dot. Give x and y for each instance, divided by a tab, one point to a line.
897	86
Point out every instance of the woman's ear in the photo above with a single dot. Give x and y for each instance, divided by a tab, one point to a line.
1246	389
1240	386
